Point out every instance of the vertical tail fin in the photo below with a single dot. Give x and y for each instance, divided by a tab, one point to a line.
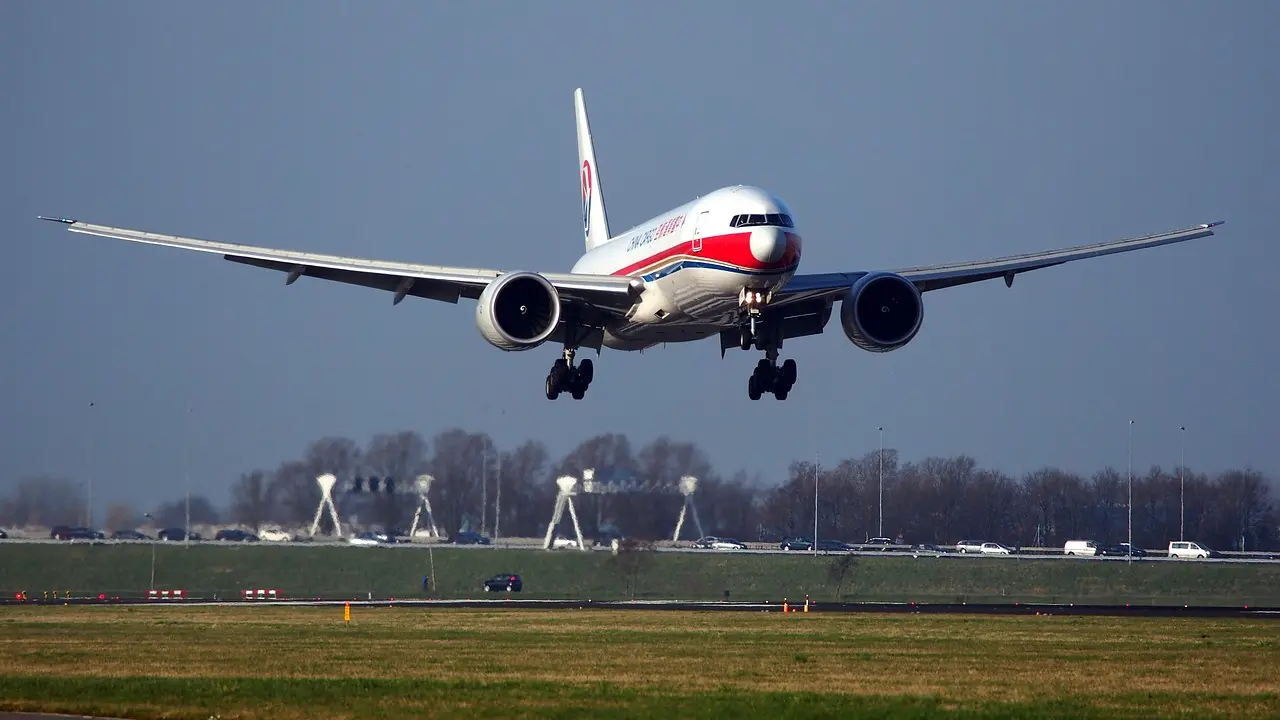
595	224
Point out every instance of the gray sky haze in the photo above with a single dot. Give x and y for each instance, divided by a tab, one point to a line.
899	133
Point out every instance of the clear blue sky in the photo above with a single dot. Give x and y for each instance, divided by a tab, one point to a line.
899	133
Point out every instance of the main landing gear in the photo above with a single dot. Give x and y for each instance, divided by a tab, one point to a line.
566	377
771	377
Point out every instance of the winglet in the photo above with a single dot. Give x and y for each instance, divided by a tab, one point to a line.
1214	224
65	221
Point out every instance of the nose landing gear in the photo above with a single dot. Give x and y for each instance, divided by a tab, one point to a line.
566	377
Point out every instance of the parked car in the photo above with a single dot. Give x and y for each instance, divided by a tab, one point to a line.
927	547
718	543
128	535
1122	549
467	537
504	581
1188	549
234	535
1080	547
969	546
175	533
883	542
369	538
560	542
835	546
63	532
990	548
271	534
796	543
3	535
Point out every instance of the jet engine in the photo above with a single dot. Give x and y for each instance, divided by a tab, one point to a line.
518	311
881	312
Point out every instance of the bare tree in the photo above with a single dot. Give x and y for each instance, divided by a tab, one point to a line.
840	569
609	456
633	559
252	501
296	495
174	512
44	500
122	517
455	464
398	458
528	490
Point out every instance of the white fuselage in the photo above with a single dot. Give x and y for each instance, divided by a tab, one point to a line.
695	261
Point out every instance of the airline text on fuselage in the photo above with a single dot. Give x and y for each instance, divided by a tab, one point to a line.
656	232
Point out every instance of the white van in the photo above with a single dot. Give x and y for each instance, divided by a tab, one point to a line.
1187	549
1080	547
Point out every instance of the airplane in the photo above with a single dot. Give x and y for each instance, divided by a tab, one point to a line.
722	265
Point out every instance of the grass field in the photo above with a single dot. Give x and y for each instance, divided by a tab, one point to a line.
306	664
344	571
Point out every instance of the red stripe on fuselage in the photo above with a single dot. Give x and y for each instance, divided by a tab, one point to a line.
732	248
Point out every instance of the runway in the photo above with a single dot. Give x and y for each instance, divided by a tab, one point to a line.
48	716
793	605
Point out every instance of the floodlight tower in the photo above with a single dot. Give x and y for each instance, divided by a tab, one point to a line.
688	486
568	486
423	486
326	483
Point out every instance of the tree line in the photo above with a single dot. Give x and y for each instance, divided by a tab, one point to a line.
934	500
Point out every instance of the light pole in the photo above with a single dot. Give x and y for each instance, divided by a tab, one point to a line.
816	470
153	557
881	532
1182	485
93	452
497	503
1129	550
186	476
484	484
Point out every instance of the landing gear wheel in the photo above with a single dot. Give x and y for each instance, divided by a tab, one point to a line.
566	378
558	379
744	338
789	372
753	388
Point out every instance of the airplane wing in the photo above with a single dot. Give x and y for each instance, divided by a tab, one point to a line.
937	277
607	294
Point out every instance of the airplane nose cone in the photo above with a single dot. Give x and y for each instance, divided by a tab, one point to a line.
768	244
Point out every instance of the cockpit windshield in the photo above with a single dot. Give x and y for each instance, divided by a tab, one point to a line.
755	219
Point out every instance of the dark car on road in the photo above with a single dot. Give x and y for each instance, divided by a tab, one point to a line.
504	581
796	543
62	532
128	535
1122	550
175	533
467	537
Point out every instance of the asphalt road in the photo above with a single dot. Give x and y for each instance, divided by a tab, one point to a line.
1026	554
505	603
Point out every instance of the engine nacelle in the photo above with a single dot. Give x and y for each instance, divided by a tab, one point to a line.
881	312
518	311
